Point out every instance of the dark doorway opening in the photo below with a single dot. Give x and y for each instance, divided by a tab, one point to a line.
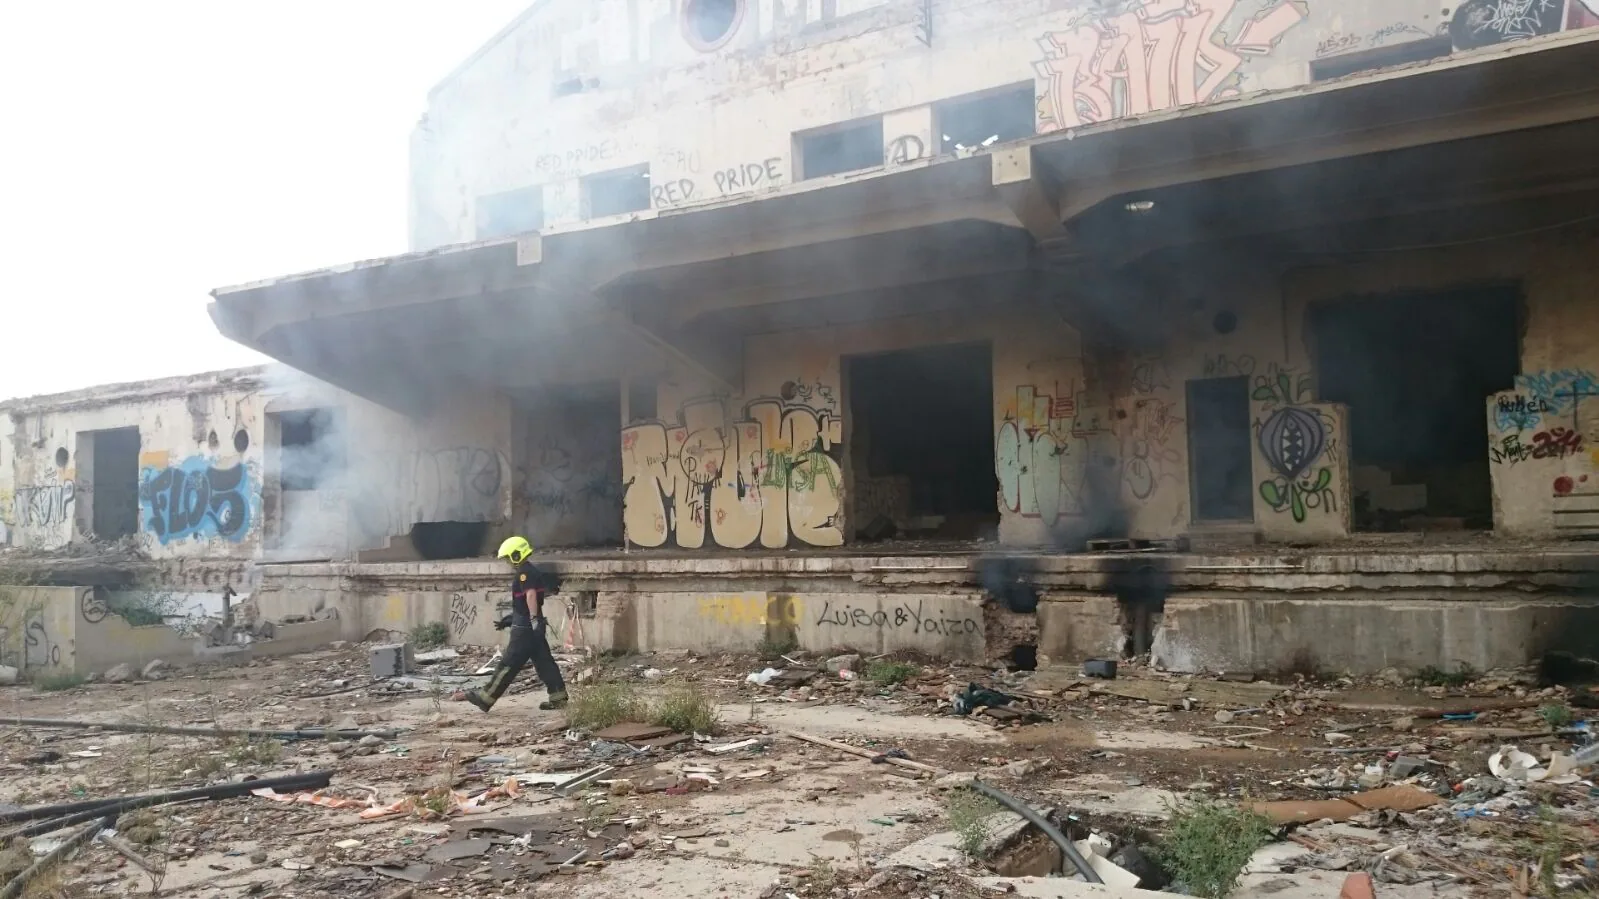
568	459
921	442
115	483
1218	444
305	461
1416	371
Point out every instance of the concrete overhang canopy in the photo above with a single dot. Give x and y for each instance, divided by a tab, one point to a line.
569	278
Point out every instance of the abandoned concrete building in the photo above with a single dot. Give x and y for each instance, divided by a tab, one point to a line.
772	319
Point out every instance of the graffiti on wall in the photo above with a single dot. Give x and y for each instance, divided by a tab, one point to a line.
1296	441
770	475
1153	55
1542	417
1040	455
47	505
1484	23
567	477
196	499
899	616
1149	430
397	490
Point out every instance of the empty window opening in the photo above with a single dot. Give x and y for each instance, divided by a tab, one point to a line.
512	212
983	120
839	150
1219	445
709	24
568	456
641	400
921	443
1342	64
616	193
305	476
310	457
436	540
1416	371
109	462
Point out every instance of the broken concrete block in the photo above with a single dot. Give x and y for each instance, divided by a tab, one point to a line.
843	663
1405	766
392	660
153	671
119	674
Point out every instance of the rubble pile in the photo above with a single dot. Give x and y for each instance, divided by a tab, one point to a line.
823	775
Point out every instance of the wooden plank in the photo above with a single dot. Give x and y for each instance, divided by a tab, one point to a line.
907	764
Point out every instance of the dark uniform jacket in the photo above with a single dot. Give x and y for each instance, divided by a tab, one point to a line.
532	583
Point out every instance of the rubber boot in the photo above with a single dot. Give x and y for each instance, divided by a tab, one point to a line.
549	672
518	651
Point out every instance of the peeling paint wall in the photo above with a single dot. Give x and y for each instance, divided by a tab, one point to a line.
583	87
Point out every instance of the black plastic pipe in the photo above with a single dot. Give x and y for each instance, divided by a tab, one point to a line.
1069	852
311	780
14	888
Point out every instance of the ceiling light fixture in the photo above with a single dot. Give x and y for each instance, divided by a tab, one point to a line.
1140	205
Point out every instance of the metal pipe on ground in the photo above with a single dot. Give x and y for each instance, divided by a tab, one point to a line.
1039	821
14	888
311	780
128	727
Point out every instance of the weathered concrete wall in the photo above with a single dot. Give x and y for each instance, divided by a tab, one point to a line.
773	466
209	462
1356	611
8	510
1541	445
36	628
581	87
197	495
1366	634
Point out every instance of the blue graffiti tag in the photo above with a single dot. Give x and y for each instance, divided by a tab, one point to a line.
1556	392
196	500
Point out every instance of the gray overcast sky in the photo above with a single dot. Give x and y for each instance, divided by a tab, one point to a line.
153	151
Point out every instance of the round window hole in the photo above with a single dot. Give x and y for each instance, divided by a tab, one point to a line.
62	457
241	440
788	391
1225	323
708	24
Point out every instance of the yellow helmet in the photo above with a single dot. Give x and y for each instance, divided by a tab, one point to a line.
516	549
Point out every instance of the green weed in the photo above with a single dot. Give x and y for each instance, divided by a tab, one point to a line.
968	817
891	674
430	636
604	705
1209	844
687	710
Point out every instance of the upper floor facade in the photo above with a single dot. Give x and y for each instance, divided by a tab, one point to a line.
596	111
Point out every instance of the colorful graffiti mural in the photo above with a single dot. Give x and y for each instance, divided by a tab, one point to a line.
1296	440
770	475
1041	455
1153	55
197	500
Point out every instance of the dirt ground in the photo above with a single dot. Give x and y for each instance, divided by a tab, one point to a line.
783	817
